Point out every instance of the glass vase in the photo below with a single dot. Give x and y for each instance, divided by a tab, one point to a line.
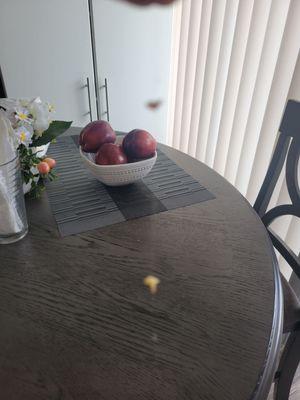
13	220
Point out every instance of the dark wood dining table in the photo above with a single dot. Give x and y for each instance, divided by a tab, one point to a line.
77	322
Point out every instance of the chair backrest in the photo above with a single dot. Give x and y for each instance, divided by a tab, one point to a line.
3	93
287	148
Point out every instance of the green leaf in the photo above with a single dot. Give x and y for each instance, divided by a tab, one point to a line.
55	129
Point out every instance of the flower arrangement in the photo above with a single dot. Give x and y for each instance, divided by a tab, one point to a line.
32	125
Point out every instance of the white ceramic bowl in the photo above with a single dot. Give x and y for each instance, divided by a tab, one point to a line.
118	175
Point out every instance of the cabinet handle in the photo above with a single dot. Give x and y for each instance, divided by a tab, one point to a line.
89	98
105	86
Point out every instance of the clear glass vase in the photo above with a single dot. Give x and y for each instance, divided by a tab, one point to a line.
13	220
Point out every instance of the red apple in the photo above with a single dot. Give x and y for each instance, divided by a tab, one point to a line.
95	134
139	144
80	137
110	154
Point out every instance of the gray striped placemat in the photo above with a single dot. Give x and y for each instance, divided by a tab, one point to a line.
80	202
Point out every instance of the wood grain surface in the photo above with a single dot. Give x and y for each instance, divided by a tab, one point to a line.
77	323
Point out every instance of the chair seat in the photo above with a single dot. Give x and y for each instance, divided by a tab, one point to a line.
291	307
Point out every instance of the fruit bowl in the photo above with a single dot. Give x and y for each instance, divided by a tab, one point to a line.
118	175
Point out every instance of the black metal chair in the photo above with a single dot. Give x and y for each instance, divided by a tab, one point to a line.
3	93
287	148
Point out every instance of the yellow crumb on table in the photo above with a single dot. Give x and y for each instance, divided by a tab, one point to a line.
152	283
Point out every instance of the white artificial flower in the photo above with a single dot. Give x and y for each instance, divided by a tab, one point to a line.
22	114
24	134
41	116
23	102
51	108
26	112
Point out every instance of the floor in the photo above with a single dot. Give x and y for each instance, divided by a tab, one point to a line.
295	392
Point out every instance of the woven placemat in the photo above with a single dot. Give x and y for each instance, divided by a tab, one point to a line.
80	202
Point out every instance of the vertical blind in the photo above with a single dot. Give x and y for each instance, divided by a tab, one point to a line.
231	73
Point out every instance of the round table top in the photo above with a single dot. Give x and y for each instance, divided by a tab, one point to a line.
78	323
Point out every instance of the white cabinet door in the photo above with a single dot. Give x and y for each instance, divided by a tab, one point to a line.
45	50
133	52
